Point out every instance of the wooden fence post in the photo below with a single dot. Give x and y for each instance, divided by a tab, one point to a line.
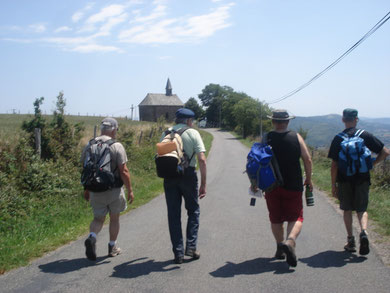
94	131
37	133
140	138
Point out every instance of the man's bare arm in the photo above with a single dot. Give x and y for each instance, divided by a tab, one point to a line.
382	155
203	173
125	176
307	162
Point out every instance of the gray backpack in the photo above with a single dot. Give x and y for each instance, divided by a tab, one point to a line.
97	175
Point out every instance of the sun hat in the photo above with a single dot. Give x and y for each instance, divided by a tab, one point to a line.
280	115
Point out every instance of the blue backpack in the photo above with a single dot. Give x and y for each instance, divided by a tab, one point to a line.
262	167
354	156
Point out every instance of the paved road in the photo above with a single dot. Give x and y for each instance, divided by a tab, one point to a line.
235	242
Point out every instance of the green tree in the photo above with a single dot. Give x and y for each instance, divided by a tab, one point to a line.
193	104
210	92
247	115
228	119
64	136
38	121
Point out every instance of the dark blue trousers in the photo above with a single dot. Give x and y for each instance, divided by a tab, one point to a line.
175	189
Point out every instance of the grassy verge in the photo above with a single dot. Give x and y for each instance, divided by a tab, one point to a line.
34	223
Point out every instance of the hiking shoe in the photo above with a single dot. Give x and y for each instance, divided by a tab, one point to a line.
279	252
364	243
350	246
288	248
178	260
192	252
113	250
90	248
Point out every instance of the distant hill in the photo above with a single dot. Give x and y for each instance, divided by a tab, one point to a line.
322	129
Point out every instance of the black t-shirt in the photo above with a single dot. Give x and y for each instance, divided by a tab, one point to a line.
373	144
287	152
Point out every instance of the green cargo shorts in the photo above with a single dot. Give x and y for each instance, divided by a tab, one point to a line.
353	196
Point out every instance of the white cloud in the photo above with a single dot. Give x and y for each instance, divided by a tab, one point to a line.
37	28
22	41
62	29
206	25
157	12
78	15
157	31
105	13
111	23
96	48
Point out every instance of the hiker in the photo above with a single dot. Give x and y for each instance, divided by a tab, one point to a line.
352	190
186	186
285	202
113	200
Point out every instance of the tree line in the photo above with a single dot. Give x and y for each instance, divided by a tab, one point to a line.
225	108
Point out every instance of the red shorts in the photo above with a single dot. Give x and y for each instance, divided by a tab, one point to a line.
284	205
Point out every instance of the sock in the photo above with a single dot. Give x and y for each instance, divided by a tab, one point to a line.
112	243
92	234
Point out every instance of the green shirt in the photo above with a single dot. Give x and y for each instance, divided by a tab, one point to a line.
192	142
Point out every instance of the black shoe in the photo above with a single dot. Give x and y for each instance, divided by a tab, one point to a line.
350	246
364	244
192	252
178	260
90	248
279	254
289	249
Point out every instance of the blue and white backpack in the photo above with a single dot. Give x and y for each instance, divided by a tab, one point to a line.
354	156
262	167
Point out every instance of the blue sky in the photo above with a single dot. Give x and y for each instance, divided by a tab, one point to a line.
107	55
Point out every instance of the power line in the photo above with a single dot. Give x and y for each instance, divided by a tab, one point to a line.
368	34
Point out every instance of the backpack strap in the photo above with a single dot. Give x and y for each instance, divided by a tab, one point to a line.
110	141
182	130
359	132
343	135
264	139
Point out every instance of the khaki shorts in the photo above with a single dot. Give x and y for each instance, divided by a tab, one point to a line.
111	201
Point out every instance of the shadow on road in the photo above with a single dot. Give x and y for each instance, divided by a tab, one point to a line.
63	266
330	259
252	267
134	268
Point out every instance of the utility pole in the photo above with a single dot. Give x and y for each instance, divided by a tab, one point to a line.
261	121
132	110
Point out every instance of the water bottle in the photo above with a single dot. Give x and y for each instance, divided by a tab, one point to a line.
309	197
